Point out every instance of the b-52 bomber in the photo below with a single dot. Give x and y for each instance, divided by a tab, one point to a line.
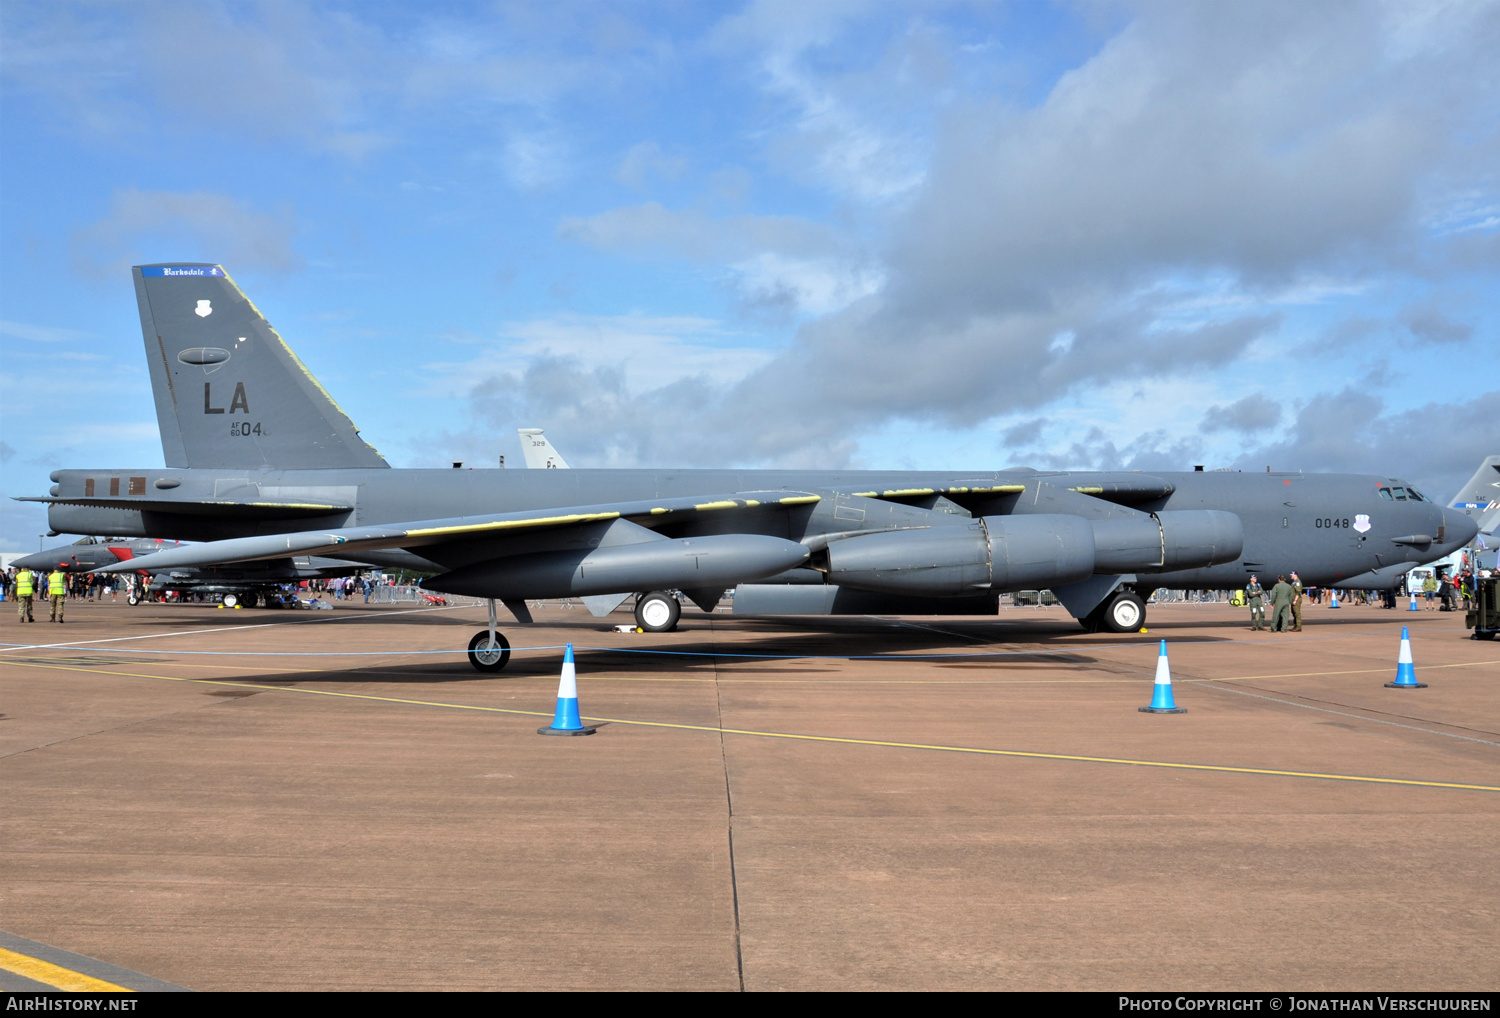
262	464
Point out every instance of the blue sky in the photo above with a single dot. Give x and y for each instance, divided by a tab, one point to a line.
969	235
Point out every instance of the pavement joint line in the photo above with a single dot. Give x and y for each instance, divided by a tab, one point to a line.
55	975
1208	684
830	739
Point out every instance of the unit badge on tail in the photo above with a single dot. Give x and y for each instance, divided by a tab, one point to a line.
204	308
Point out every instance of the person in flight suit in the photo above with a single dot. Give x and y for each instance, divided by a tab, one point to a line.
57	590
1281	605
25	591
1255	596
1296	604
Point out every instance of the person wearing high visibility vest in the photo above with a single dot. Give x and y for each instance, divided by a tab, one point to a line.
25	591
57	590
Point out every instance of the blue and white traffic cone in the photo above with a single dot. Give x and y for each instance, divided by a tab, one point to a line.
1413	602
1335	602
566	720
1161	699
1406	674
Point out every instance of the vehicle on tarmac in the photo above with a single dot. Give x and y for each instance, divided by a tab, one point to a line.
262	464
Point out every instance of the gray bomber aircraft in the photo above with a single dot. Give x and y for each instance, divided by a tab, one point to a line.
263	464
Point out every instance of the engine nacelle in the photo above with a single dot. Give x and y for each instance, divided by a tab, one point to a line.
1181	539
997	552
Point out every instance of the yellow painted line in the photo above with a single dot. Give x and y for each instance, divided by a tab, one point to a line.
1088	490
828	739
800	500
727	504
906	492
56	975
540	521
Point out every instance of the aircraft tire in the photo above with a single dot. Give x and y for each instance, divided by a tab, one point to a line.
1093	621
230	600
1125	613
132	600
657	612
486	658
251	600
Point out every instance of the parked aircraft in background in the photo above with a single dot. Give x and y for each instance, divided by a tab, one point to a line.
249	583
263	464
538	451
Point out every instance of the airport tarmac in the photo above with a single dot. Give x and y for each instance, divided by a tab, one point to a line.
307	801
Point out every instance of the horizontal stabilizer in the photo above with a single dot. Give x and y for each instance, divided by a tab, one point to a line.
217	507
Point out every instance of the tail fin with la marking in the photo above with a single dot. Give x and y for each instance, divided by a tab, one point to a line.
229	391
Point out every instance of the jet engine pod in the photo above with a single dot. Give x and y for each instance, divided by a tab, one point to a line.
1179	539
936	561
1195	538
688	563
997	552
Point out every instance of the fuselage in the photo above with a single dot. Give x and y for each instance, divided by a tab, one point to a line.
1330	528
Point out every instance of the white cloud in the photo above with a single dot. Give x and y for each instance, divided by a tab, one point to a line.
42	333
154	225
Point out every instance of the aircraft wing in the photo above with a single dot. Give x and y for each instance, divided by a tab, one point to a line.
346	541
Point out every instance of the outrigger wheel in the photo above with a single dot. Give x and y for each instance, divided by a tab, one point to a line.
657	612
487	656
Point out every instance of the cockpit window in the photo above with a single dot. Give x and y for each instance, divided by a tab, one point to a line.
1417	494
1400	494
1385	493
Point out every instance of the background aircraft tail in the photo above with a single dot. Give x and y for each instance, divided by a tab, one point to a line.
1480	495
538	451
229	391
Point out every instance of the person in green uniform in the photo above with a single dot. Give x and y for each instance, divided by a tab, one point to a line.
57	590
25	591
1281	605
1255	596
1296	604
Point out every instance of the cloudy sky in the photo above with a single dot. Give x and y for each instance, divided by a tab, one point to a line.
807	233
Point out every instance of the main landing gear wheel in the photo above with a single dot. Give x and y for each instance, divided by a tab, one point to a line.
487	657
230	600
1125	614
132	600
657	612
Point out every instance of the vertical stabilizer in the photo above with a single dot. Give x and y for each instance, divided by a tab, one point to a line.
1480	495
229	391
538	451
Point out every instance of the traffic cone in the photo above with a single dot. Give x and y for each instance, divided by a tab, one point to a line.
1161	699
1413	602
566	721
1335	602
1406	675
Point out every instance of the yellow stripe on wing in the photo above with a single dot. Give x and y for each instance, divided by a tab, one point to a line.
538	521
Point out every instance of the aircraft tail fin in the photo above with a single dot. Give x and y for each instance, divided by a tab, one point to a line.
229	391
1480	495
538	451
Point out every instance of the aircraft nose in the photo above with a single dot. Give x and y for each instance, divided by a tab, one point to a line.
1458	529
